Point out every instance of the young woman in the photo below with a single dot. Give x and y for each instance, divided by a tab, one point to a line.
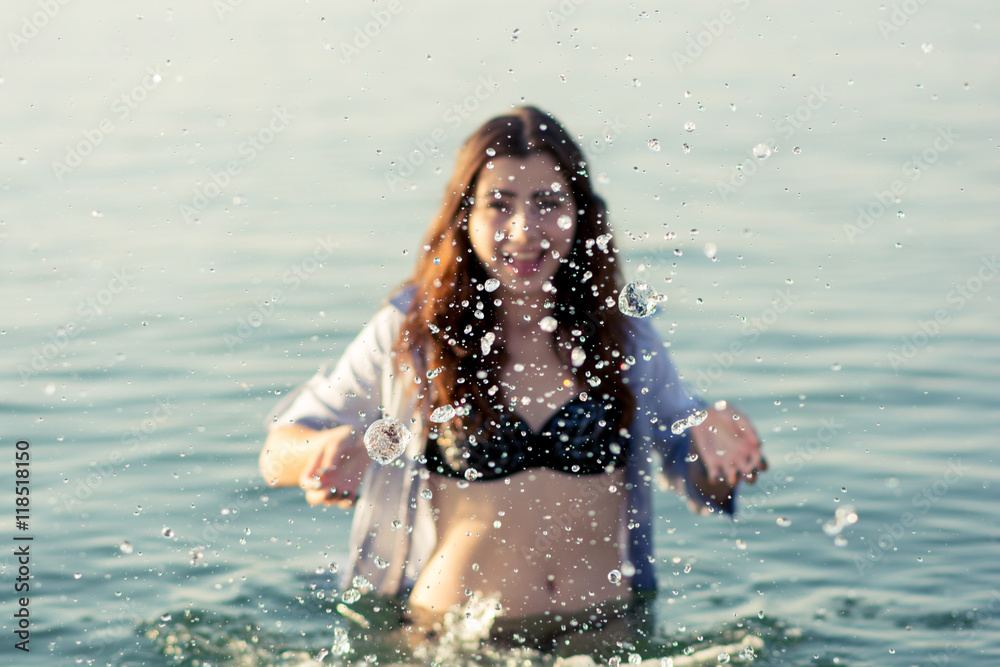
534	486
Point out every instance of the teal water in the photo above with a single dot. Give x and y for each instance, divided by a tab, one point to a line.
143	344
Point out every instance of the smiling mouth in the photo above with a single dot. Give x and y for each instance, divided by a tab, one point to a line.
525	265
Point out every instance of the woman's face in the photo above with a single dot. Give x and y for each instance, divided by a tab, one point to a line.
522	221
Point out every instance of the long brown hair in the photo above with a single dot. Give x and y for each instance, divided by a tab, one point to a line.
442	326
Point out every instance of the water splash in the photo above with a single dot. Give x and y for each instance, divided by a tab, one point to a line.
464	631
694	419
486	343
842	518
548	324
762	151
638	299
443	414
386	440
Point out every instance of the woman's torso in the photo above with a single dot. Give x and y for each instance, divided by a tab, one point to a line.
539	539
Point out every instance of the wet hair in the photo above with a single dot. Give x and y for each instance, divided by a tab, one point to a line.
443	324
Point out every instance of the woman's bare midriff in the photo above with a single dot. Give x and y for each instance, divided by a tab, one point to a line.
538	540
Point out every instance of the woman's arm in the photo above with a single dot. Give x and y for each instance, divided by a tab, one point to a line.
327	464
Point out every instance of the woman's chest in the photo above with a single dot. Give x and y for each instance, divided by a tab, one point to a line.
536	383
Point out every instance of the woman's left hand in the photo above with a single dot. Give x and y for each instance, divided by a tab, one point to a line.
728	445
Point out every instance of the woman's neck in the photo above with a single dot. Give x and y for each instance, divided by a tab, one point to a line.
524	311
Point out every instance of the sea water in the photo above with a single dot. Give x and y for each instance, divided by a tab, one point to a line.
202	203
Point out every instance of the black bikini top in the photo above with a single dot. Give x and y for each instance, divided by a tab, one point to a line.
579	439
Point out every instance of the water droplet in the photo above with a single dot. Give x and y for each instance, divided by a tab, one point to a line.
196	554
426	494
77	575
351	596
686	148
548	324
723	658
711	250
614	576
564	222
381	563
654	145
835	367
434	372
900	215
333	567
689	126
126	547
386	439
762	151
694	419
638	299
577	356
927	47
491	285
472	474
167	532
783	522
443	414
487	342
796	150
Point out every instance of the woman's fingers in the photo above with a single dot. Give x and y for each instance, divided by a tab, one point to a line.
332	475
728	445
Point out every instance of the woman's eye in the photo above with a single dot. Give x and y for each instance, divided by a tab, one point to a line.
498	205
547	205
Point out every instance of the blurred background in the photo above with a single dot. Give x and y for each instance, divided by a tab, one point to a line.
202	202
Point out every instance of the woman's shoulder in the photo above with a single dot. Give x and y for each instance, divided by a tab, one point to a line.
642	335
401	299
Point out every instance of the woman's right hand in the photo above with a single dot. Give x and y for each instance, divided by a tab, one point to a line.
332	475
